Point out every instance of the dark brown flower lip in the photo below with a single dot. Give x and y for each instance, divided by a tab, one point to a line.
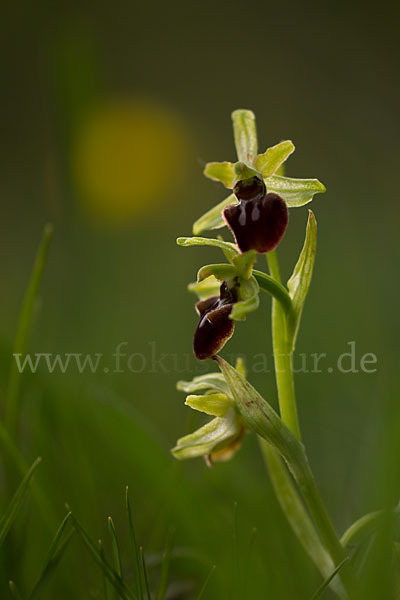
215	327
258	223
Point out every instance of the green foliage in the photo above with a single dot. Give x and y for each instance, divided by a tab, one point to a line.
17	501
300	280
24	322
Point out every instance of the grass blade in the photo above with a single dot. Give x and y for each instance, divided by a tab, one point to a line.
327	581
16	502
136	562
115	547
165	563
200	595
24	322
105	583
54	555
14	591
103	564
145	577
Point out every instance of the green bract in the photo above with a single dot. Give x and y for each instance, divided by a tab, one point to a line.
300	280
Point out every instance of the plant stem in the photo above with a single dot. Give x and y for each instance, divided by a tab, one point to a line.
283	357
287	402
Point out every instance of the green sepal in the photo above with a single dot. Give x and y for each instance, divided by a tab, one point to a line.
245	134
206	288
213	218
222	272
300	280
212	437
244	263
295	192
227	247
211	381
221	171
269	162
249	299
215	404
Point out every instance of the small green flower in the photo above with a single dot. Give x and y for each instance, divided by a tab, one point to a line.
219	439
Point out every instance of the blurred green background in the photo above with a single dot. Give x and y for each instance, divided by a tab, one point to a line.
109	112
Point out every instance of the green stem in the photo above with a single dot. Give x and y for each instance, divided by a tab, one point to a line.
283	357
288	408
275	289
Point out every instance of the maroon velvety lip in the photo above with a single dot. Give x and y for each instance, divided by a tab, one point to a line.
215	327
259	223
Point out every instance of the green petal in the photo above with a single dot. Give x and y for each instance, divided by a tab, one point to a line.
221	272
295	192
227	247
249	294
221	171
206	288
211	404
212	437
244	263
300	280
213	218
269	162
209	381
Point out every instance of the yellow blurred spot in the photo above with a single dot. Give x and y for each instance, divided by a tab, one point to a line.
129	158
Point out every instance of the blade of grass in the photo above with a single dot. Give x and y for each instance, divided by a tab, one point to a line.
165	563
16	502
20	464
51	566
103	564
145	577
105	583
327	581
14	591
136	562
54	555
115	547
24	323
200	595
